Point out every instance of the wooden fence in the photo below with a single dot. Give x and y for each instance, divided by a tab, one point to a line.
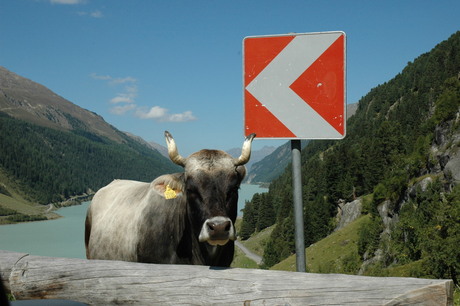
100	282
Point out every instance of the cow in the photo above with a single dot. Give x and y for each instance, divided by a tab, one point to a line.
180	218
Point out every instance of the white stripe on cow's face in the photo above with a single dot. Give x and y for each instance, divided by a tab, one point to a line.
217	231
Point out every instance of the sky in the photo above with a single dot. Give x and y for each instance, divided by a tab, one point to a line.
150	66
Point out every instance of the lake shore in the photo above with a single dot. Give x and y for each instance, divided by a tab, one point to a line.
18	210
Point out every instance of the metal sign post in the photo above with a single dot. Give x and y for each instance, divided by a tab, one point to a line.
298	206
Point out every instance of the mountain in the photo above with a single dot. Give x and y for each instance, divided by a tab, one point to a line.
272	165
162	149
256	156
152	145
24	99
399	164
52	150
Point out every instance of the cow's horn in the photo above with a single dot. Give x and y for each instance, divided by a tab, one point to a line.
245	151
172	150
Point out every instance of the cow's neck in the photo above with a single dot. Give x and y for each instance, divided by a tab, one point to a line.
212	250
221	256
205	254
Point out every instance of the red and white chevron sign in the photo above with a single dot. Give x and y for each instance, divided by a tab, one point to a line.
294	85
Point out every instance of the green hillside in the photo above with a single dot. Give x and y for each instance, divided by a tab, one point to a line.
337	253
272	165
51	165
13	207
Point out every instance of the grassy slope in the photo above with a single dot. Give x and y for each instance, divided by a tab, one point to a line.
256	244
240	260
17	202
322	257
326	255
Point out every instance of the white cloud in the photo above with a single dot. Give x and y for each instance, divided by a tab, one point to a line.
112	80
122	98
94	14
116	81
161	114
100	77
126	101
184	117
126	97
155	112
130	91
121	110
67	2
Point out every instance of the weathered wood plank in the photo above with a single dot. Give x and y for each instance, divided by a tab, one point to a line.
7	261
99	282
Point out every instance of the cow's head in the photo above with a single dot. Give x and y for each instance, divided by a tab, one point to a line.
212	180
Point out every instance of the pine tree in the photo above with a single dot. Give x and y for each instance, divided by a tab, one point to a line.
441	238
266	214
248	225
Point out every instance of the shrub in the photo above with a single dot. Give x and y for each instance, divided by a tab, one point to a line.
368	236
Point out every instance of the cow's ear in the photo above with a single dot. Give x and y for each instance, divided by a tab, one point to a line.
168	186
241	170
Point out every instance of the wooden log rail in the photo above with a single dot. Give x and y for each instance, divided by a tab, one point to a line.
100	282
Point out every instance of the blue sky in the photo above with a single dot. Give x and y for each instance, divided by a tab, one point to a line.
150	66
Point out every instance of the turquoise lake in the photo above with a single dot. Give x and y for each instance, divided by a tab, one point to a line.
64	237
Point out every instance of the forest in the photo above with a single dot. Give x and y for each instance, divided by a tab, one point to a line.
388	148
51	165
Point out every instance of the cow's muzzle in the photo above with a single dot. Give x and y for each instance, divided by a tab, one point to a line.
217	231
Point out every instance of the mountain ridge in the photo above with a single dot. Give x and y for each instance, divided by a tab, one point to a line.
25	99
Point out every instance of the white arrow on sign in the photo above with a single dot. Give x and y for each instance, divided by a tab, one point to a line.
272	85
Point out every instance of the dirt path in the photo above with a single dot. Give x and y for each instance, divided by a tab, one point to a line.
248	253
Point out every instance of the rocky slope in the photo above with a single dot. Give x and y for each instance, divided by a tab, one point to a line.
445	162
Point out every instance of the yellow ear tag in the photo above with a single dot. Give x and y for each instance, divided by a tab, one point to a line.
169	193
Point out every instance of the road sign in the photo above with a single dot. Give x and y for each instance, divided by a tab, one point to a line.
294	85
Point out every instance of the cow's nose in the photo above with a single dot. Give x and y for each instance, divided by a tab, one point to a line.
217	231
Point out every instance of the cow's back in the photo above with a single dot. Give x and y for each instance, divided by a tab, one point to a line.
113	220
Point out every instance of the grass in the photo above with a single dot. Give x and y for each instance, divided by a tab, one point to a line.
329	254
255	244
18	204
23	208
457	297
14	201
240	260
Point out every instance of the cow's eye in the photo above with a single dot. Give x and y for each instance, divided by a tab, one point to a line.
232	192
192	193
